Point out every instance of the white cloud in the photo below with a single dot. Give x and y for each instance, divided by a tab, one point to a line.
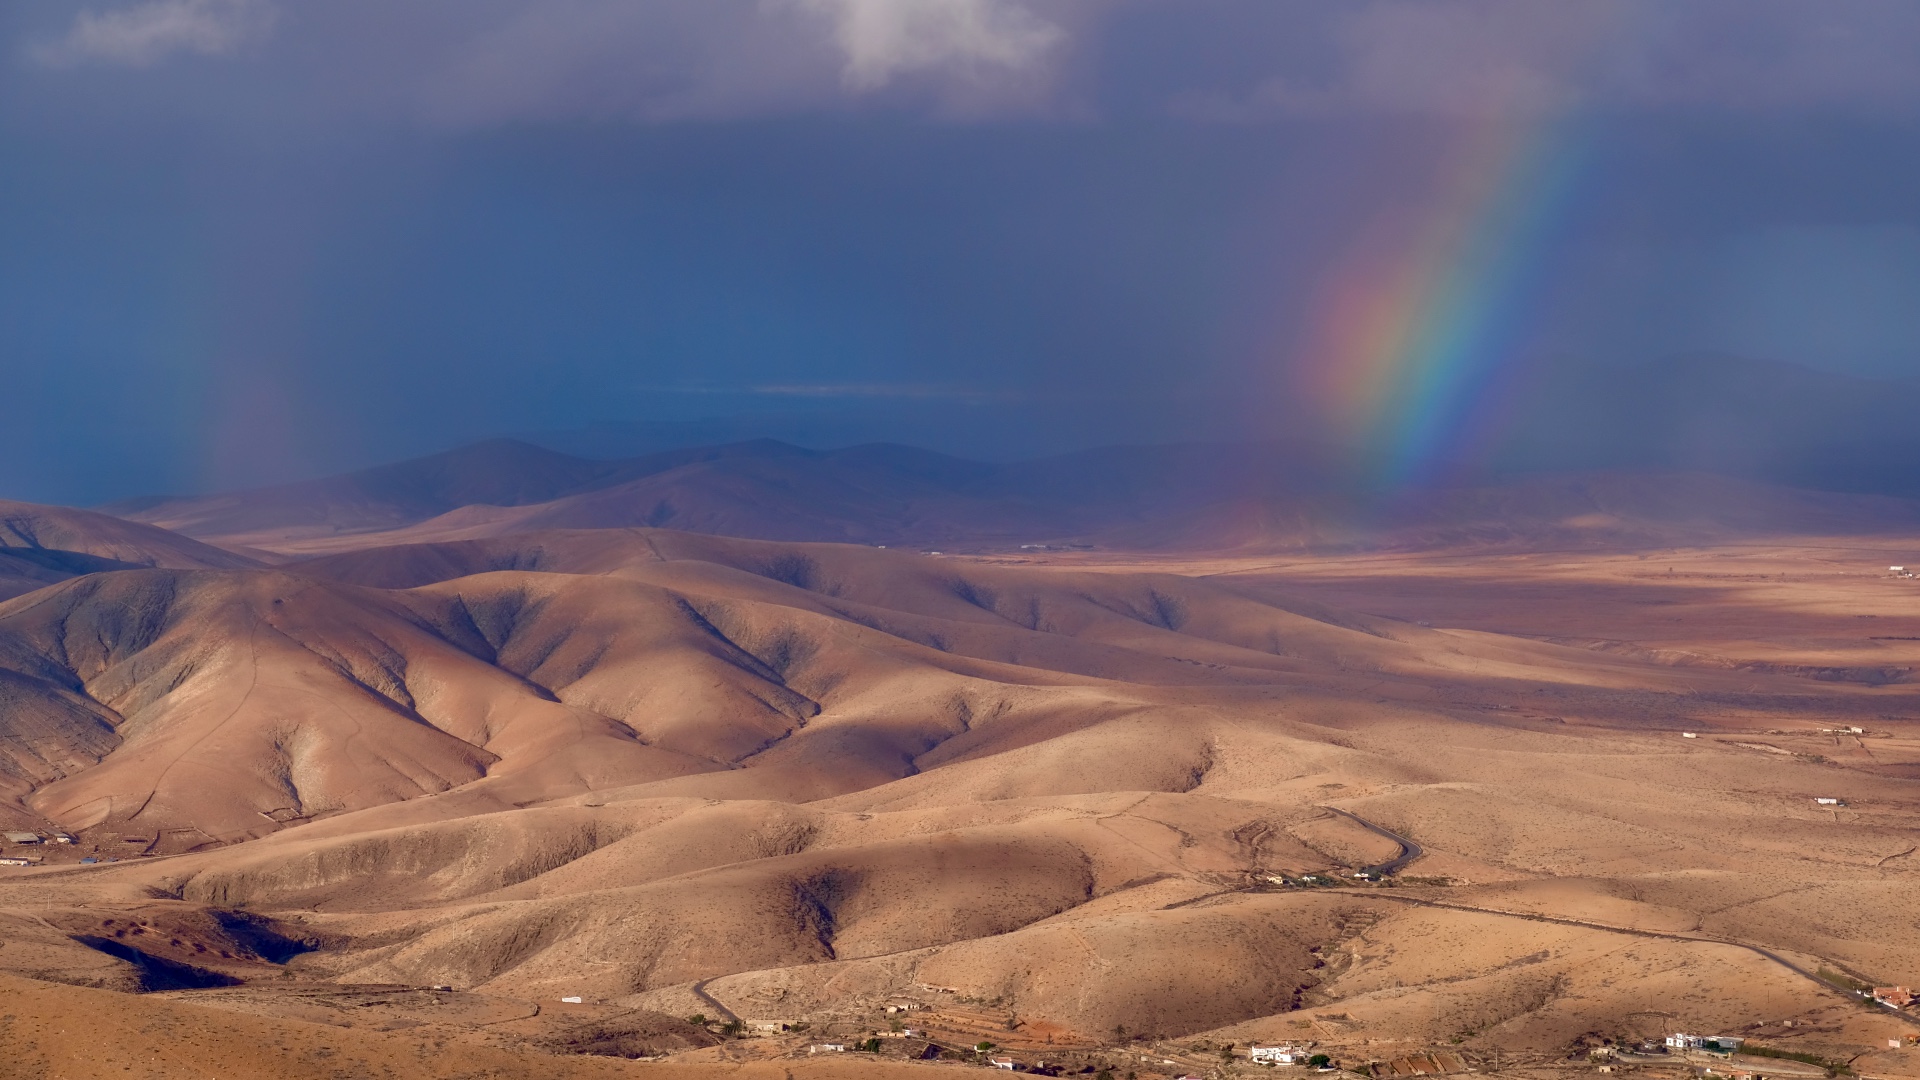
1474	57
882	39
667	60
146	33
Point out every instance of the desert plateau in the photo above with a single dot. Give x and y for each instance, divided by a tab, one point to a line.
542	801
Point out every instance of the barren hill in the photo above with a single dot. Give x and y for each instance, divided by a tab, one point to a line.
1054	799
220	705
1093	804
40	545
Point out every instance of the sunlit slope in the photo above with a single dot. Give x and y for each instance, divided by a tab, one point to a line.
241	700
223	704
158	1038
629	764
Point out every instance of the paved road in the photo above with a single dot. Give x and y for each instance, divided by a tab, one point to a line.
1701	939
1772	1066
700	991
1409	850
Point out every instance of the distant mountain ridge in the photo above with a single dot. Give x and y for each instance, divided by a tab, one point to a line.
1622	453
1196	497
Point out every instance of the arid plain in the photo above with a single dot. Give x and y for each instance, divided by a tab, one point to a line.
380	811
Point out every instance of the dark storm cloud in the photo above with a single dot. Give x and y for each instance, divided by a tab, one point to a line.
246	238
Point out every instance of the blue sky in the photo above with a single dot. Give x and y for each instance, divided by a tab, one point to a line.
245	240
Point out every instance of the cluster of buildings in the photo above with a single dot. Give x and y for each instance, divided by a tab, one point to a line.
1893	997
24	837
1704	1042
1285	1054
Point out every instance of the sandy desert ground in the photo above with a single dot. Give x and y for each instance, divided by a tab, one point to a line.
1081	805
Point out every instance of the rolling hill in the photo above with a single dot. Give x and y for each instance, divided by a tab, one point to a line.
671	773
40	545
485	738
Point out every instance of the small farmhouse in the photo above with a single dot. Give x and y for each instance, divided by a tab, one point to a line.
1277	1055
1897	997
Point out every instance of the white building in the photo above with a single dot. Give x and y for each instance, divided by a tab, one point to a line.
1001	1063
1824	801
1278	1055
1703	1042
827	1048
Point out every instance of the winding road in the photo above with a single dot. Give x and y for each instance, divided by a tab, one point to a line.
700	991
1409	850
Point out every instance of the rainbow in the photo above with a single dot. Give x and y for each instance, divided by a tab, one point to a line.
1432	301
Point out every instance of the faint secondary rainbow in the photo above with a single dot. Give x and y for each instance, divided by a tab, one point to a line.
1433	300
